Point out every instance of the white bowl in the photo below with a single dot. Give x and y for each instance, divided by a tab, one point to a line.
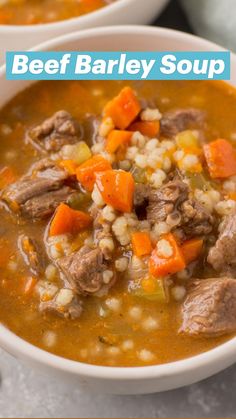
134	380
15	37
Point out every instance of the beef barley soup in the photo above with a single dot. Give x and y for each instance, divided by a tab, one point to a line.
32	12
118	219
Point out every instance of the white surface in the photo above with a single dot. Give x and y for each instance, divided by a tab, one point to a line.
26	394
107	379
120	12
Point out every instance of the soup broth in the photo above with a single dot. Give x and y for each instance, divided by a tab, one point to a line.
119	326
32	12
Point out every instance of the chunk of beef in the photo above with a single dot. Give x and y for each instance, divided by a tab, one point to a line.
179	120
141	194
43	175
166	200
222	256
33	255
40	167
173	201
71	310
210	308
44	205
38	194
54	132
91	126
102	230
29	187
195	219
84	269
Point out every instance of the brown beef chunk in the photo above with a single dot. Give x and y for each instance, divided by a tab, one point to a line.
173	200
141	194
72	310
141	199
33	255
222	256
210	308
42	206
26	188
38	194
43	175
54	132
84	269
195	219
179	120
102	230
166	200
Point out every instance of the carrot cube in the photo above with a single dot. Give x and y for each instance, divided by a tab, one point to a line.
168	260
68	220
141	243
86	172
221	158
117	189
123	109
191	249
116	139
150	129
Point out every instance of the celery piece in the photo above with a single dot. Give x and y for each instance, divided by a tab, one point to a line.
79	152
79	200
198	181
152	289
187	140
139	175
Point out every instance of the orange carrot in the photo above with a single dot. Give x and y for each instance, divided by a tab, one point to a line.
166	258
191	249
150	129
69	165
116	139
86	172
141	243
117	189
231	195
68	220
123	109
29	285
6	176
221	158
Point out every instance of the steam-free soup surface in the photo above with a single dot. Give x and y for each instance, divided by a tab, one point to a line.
130	320
32	12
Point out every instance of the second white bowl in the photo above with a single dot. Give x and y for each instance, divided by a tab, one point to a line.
124	12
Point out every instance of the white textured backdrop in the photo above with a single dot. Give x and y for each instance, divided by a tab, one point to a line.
26	394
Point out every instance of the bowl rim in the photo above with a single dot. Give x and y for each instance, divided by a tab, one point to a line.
86	19
130	29
18	346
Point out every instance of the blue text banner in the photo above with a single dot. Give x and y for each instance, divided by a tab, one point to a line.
118	65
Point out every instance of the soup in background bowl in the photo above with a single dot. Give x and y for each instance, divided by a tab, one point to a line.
54	19
114	247
33	12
